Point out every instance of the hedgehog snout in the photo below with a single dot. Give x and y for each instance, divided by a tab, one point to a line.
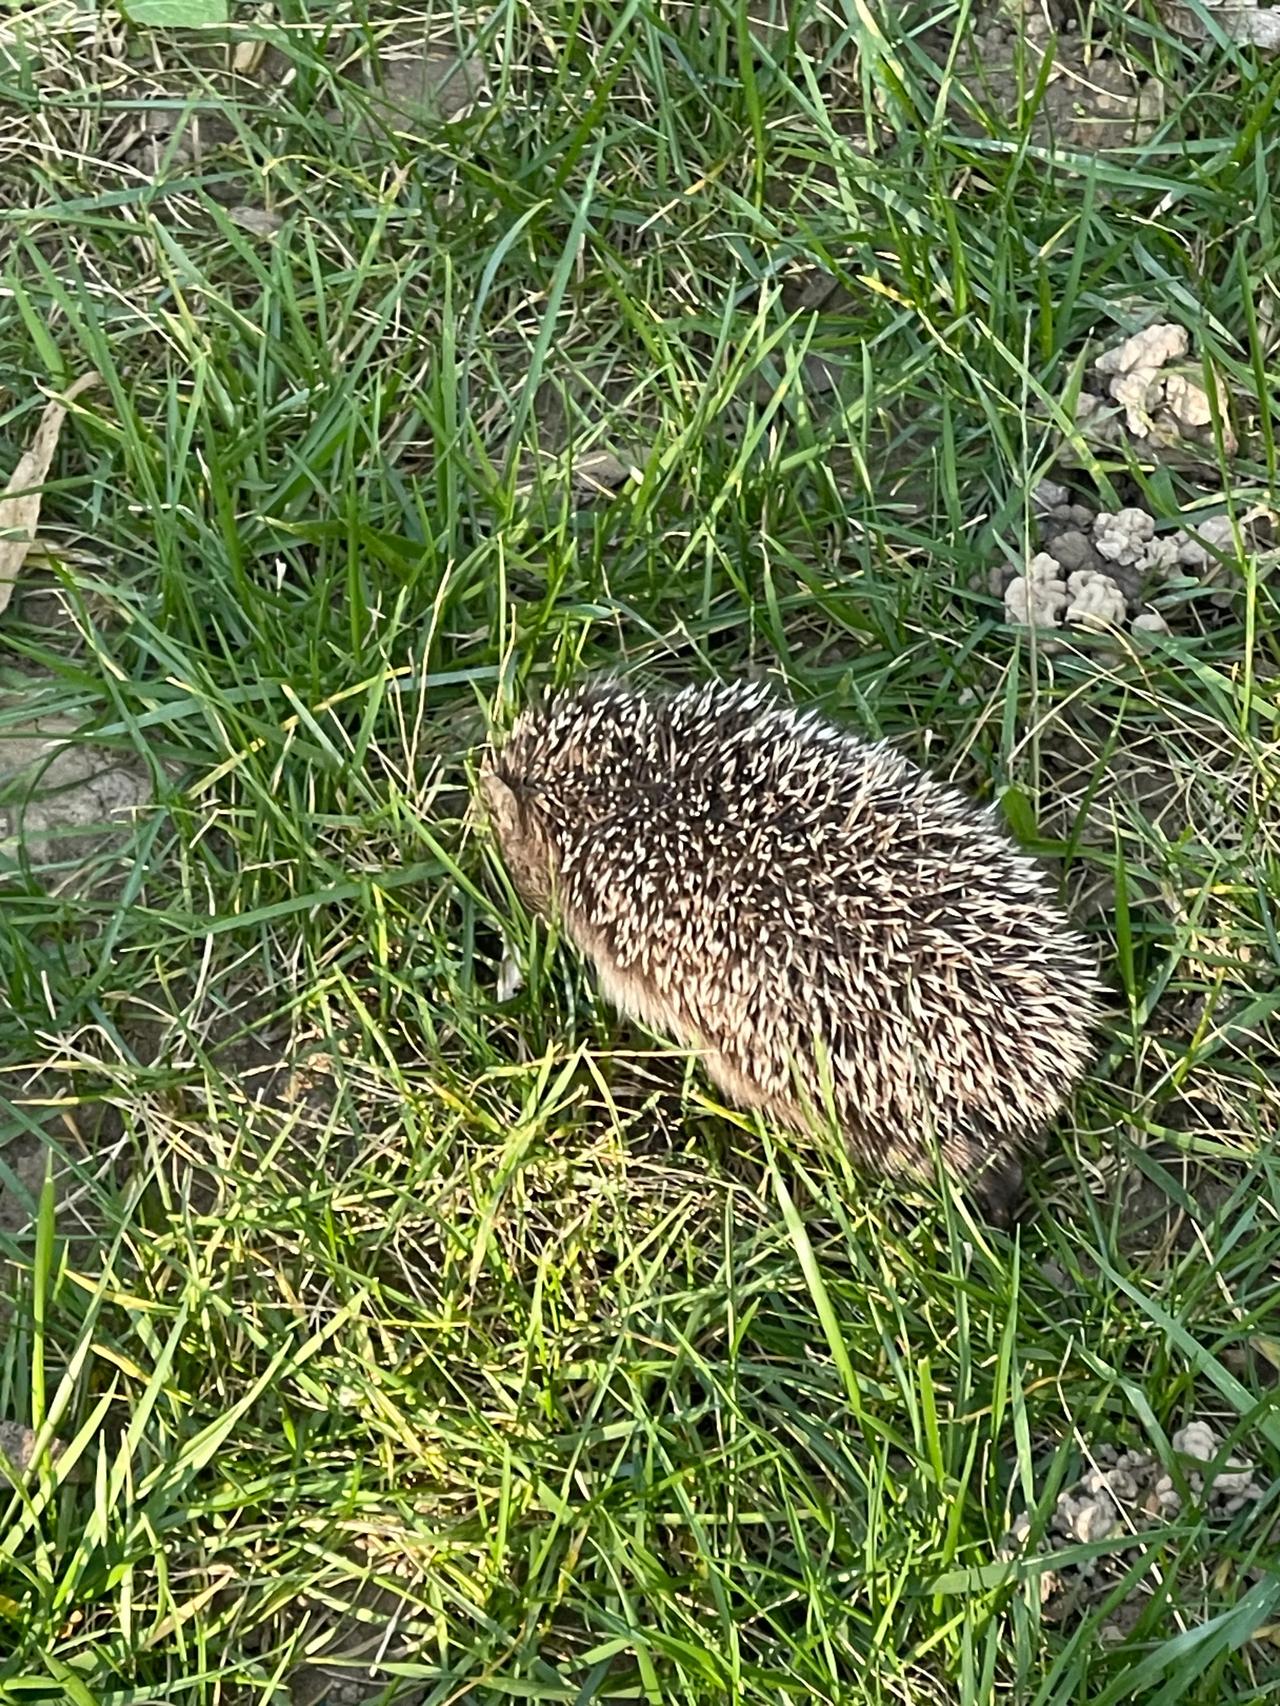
521	835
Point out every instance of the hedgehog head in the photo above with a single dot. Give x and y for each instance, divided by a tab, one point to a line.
560	767
521	834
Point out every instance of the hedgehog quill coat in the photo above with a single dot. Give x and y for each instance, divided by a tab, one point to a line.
828	925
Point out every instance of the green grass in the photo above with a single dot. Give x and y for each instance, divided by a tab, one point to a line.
384	1318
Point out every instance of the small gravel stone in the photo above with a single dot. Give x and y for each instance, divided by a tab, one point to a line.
1074	550
1196	1440
1049	495
1065	518
1161	554
1095	600
1000	578
1038	598
1215	534
1149	622
1121	536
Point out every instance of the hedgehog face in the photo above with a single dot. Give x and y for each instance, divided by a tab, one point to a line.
526	847
560	766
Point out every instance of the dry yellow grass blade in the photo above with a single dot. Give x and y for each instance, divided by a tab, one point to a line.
21	499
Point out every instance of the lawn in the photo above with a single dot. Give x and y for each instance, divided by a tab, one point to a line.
383	1319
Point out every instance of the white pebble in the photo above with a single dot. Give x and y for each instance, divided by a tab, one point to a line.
1149	622
1196	1440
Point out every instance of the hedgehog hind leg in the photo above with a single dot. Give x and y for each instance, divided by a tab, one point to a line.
983	1154
991	1177
1000	1191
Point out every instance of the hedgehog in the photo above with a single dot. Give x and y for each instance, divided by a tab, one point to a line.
836	932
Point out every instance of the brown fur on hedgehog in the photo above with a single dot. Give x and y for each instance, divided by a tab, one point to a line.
827	924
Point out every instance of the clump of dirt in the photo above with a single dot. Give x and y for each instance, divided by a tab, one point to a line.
1121	1498
1245	21
1102	568
351	1651
214	105
1149	393
18	1450
419	83
1105	569
64	802
1092	100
